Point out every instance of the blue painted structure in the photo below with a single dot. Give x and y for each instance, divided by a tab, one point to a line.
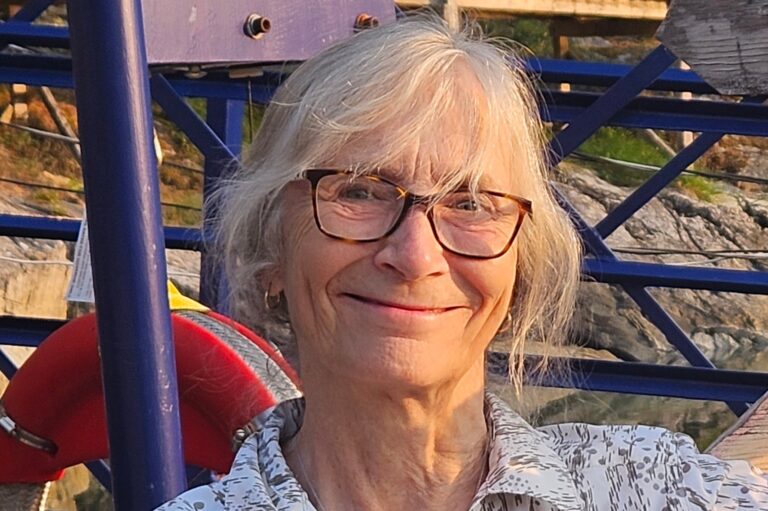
129	278
139	277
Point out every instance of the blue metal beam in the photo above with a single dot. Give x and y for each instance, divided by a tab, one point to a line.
650	307
101	472
122	196
25	34
19	331
7	367
646	379
665	275
50	228
610	102
187	119
643	112
56	72
262	88
648	190
225	117
749	119
681	161
603	74
31	10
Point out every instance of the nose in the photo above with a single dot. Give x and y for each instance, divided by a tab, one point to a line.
413	250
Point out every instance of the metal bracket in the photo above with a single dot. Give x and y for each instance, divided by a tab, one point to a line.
10	426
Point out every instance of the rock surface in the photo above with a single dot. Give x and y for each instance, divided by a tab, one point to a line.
720	323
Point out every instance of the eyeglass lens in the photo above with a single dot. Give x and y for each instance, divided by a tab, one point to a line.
365	208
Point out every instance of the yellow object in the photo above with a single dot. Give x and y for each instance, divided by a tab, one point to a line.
178	301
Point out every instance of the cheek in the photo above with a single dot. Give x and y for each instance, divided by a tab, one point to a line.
296	264
309	265
494	281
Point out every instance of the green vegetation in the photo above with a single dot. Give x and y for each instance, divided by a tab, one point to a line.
625	144
50	201
701	187
531	33
198	105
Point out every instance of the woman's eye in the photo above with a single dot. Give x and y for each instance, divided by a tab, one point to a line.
467	205
356	193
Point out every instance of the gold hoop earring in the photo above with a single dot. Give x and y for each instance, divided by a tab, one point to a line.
271	302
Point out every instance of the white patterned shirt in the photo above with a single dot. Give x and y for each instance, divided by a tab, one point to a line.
567	467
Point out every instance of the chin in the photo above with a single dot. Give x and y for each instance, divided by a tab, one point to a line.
400	369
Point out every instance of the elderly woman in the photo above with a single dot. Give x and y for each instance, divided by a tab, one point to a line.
396	217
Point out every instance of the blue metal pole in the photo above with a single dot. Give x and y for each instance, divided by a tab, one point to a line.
603	74
609	103
31	10
123	205
19	331
644	379
659	180
654	185
225	117
51	228
647	303
614	271
33	35
660	113
7	367
187	119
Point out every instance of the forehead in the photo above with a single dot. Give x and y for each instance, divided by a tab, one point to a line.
446	132
430	158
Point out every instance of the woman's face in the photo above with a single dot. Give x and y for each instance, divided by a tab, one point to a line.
401	311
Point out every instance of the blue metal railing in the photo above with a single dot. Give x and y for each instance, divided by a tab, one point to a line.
122	195
136	360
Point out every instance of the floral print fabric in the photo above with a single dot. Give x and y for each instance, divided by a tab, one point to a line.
566	467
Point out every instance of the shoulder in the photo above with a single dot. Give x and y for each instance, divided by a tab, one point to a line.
260	479
240	490
648	466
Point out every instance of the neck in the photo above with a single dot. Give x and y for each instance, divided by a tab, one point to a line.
374	449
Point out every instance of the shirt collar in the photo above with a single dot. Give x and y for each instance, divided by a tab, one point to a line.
521	462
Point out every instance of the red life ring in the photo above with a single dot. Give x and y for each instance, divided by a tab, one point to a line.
227	376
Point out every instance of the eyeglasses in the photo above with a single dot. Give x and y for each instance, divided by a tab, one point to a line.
365	208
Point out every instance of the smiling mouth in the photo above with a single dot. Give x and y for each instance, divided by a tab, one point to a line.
401	306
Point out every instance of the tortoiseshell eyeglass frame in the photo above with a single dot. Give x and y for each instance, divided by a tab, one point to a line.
410	199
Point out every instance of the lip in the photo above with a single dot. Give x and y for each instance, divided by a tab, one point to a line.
404	307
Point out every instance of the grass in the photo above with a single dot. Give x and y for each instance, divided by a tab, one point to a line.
50	201
700	187
625	144
186	197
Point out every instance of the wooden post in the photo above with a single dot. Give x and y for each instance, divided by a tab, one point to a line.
452	14
58	118
685	137
19	101
560	48
449	10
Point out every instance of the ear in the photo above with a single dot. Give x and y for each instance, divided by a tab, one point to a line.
272	280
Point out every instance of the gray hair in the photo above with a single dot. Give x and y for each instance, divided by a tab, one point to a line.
401	80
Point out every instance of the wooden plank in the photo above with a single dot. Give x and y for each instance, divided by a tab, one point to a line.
625	9
586	27
724	41
747	439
